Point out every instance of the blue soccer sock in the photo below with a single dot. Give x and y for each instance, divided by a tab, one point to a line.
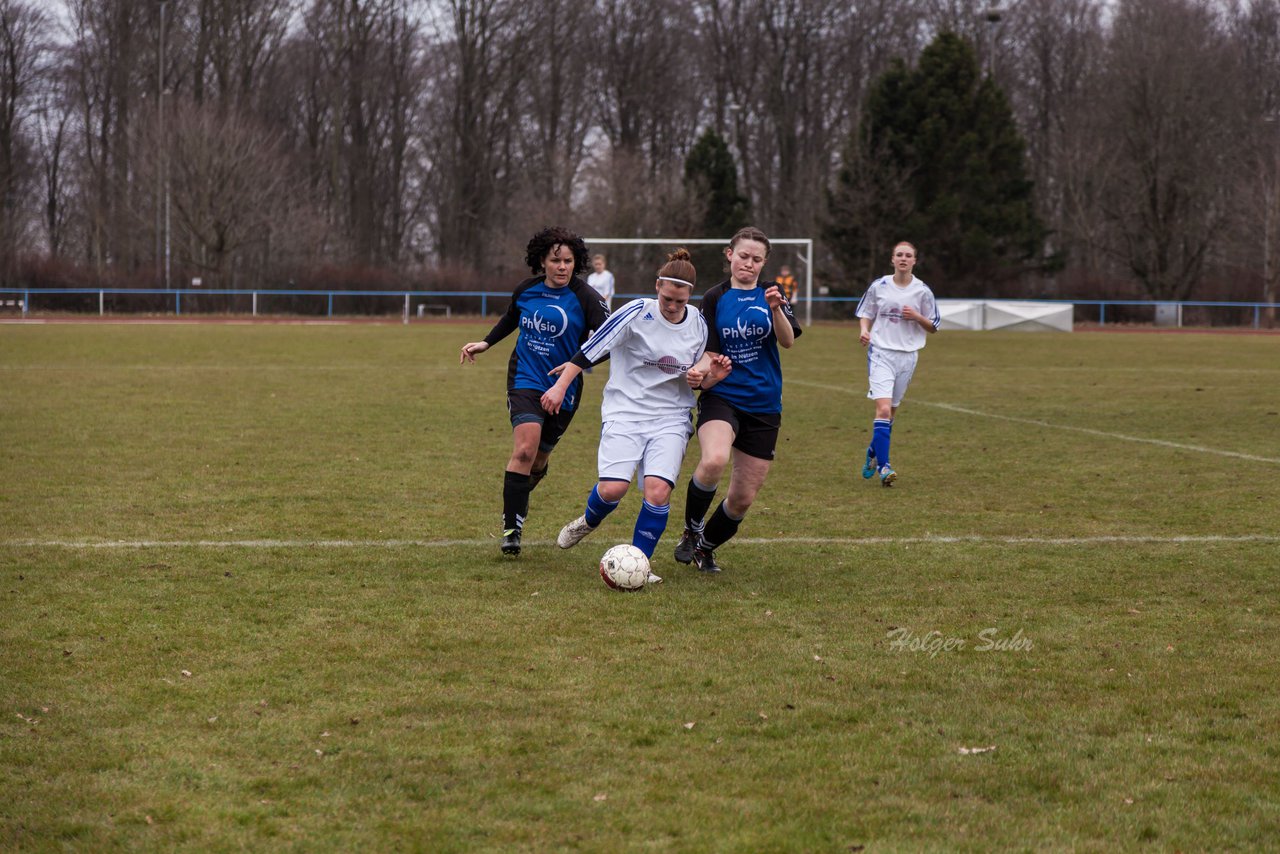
881	428
598	508
650	524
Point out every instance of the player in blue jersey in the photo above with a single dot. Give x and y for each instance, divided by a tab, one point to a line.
747	320
554	312
654	346
896	315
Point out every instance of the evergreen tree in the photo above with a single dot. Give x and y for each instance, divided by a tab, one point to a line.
937	160
711	181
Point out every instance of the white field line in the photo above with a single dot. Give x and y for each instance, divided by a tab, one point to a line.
963	539
1086	430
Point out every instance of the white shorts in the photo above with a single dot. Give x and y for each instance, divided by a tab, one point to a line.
889	372
657	447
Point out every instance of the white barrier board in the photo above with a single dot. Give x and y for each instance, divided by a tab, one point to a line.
1022	316
960	313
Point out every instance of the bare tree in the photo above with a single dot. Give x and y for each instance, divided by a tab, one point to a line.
558	96
235	49
24	30
357	93
233	194
104	65
1168	102
471	123
1256	34
52	134
1054	55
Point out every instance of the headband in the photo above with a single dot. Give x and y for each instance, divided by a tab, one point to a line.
677	281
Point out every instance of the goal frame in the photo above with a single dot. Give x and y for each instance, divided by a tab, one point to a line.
805	244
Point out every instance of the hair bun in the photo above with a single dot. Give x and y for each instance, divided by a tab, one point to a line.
680	254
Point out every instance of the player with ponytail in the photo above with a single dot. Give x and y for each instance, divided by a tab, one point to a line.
654	346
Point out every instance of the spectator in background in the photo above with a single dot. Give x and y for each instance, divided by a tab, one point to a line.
602	280
787	282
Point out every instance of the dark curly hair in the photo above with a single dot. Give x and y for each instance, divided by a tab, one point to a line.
544	241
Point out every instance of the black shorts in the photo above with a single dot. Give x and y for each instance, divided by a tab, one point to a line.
525	406
754	433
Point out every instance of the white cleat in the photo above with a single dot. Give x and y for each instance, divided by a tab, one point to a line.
572	534
653	579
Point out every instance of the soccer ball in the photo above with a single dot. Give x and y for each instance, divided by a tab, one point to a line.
624	568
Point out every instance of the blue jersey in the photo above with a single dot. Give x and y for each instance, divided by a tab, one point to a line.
740	326
553	323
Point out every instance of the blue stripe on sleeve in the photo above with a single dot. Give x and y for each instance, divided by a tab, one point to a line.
599	343
862	302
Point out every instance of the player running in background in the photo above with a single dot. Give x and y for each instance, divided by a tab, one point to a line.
602	280
554	312
653	346
747	321
896	315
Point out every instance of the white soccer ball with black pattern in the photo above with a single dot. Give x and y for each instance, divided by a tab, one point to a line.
624	568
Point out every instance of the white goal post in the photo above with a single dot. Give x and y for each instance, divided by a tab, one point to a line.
803	244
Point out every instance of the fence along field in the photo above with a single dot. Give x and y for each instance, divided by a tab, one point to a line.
414	305
252	595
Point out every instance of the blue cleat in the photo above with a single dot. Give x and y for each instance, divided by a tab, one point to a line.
869	467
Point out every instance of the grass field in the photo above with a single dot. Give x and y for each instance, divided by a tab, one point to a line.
251	598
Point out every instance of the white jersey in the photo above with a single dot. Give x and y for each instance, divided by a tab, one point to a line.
883	303
649	356
603	284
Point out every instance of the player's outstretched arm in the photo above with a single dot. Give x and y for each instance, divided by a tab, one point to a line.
695	374
721	366
471	350
553	397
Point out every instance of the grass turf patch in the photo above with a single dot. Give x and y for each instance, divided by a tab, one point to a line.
409	687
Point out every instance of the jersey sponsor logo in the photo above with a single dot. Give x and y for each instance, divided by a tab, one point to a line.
549	326
668	365
742	330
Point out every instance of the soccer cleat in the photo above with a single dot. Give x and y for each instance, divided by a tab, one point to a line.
572	534
653	578
705	560
869	467
511	541
887	476
684	548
